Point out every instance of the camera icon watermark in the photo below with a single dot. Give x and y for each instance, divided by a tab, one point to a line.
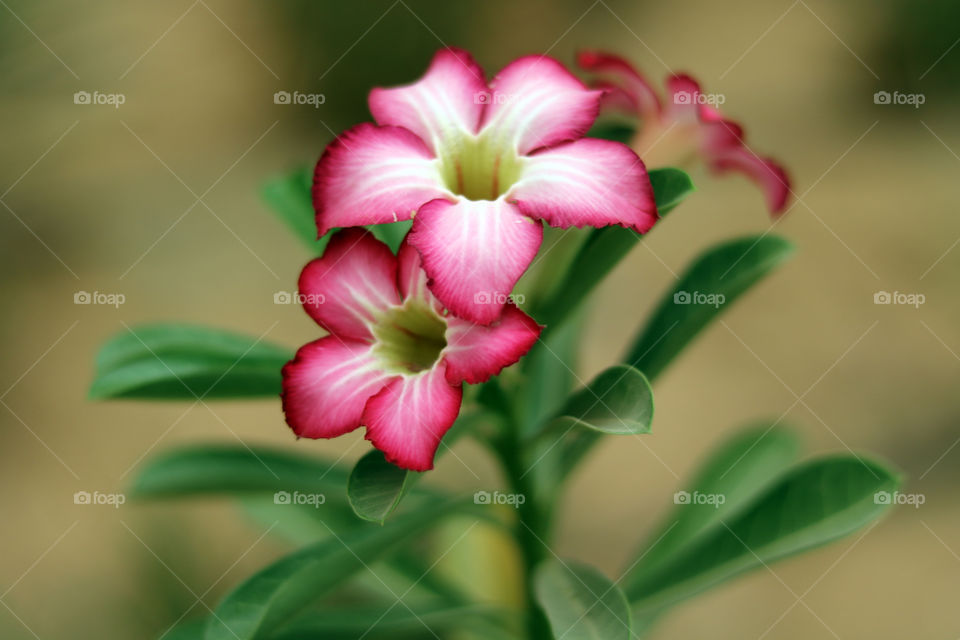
912	99
715	300
687	498
497	97
286	97
98	498
295	297
697	97
298	498
498	497
100	298
899	298
96	97
895	497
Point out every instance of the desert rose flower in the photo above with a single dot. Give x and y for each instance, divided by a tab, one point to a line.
394	361
478	166
687	126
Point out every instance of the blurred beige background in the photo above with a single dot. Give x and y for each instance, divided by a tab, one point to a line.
104	199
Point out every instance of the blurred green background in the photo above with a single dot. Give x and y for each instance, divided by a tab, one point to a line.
158	200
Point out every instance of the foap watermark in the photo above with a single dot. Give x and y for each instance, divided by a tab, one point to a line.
912	99
296	497
498	497
898	297
712	499
286	97
697	97
699	297
99	297
99	498
498	297
496	97
295	297
895	497
97	97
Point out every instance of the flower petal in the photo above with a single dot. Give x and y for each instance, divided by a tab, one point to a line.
536	102
588	182
412	278
326	387
354	279
445	103
372	175
767	174
408	417
474	252
625	88
474	352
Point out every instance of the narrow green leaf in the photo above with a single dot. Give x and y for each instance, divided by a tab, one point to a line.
619	401
174	361
273	595
290	198
376	486
581	603
812	505
206	470
387	622
708	287
740	469
611	130
605	247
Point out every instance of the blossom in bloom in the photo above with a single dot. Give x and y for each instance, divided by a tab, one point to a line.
686	126
394	361
478	166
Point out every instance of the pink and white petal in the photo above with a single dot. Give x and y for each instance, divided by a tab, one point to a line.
589	182
764	172
354	280
475	353
412	278
474	251
408	417
327	385
535	102
626	86
372	175
444	104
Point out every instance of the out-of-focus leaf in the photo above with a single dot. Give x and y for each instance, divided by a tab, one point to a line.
389	622
269	598
708	287
581	603
173	361
618	401
290	198
604	248
376	486
815	503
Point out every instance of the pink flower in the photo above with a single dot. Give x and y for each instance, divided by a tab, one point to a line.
480	166
394	361
687	126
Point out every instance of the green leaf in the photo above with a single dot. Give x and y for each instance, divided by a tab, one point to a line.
812	505
717	278
206	470
581	603
376	486
610	130
270	597
391	233
173	361
387	622
605	247
290	198
619	401
740	469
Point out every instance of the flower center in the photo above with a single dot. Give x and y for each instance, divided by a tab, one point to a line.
480	168
409	338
